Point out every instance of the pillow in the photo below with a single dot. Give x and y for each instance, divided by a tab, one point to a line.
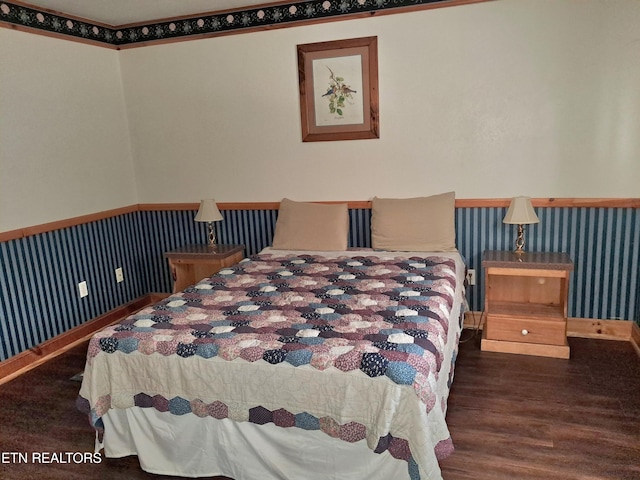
422	224
311	226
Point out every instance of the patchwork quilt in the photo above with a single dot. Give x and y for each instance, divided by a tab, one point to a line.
352	346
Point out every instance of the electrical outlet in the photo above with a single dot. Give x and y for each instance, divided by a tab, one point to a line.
471	277
119	275
82	289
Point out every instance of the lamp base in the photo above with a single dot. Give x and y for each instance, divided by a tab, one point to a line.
212	236
520	240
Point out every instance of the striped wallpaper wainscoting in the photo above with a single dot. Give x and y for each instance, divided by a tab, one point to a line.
604	244
39	273
39	278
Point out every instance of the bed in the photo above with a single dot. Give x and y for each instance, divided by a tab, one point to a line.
314	364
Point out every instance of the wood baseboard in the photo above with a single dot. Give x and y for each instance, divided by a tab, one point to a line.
25	361
623	330
604	329
635	337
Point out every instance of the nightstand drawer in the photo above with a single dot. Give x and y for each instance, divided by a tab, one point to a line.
550	332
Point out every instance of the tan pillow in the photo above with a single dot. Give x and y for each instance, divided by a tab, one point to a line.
422	224
311	226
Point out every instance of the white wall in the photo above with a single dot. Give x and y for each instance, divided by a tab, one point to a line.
64	139
534	97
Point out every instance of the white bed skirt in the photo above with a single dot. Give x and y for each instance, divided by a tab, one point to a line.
190	446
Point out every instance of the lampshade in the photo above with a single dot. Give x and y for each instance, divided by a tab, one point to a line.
521	212
208	211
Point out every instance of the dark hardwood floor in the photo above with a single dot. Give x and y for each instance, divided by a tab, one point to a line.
511	417
524	417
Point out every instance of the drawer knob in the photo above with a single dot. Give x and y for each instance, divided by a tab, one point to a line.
525	331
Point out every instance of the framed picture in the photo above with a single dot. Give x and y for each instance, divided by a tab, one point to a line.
339	90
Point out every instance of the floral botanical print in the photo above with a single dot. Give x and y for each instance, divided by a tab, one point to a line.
337	94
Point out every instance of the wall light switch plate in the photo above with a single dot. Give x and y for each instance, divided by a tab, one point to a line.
82	289
119	275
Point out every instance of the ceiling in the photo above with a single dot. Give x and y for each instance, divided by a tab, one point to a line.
122	12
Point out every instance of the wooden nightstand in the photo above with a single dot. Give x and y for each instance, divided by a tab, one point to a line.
525	303
192	263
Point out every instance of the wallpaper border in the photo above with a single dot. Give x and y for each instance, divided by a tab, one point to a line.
261	17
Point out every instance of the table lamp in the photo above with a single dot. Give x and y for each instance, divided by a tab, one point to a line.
520	213
208	212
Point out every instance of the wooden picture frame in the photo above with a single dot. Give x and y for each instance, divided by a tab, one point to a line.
338	83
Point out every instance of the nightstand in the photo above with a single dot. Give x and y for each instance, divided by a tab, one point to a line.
525	303
192	263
